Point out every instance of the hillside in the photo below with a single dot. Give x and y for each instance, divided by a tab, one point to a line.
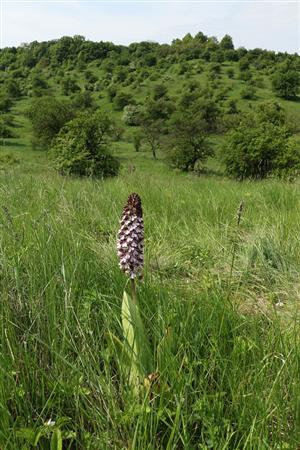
110	77
219	298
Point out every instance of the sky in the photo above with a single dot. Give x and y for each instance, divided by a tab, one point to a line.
273	25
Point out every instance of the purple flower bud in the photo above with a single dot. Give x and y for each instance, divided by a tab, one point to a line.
131	237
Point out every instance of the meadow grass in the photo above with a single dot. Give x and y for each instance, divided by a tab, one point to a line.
230	379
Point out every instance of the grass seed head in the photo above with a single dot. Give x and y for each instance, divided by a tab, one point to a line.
131	237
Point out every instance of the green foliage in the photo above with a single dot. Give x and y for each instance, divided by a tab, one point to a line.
5	131
286	82
83	100
132	115
48	115
122	99
5	102
8	160
137	138
69	86
248	93
230	72
260	146
159	91
135	343
226	43
12	88
82	147
189	145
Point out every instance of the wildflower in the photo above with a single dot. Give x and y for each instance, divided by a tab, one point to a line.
131	237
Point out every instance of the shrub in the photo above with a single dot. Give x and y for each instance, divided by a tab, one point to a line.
189	144
82	147
159	91
48	115
260	146
83	100
12	88
248	93
230	72
5	102
122	99
132	115
69	86
7	159
137	140
5	131
286	82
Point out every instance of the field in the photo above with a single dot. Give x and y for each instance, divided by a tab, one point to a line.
228	294
219	298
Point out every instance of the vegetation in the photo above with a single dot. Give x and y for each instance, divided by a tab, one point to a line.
219	300
81	147
260	145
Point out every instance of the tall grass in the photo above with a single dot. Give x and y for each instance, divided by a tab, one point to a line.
230	379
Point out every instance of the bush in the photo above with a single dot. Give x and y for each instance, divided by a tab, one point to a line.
122	99
230	72
5	131
248	93
48	115
69	86
189	144
132	115
159	91
83	100
260	146
286	82
7	159
137	140
5	103
81	147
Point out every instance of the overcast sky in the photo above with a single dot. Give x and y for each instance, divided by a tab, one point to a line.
273	25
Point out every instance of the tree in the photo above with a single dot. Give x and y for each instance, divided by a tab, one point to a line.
260	145
69	86
137	138
5	131
159	91
5	102
189	144
47	116
132	115
82	147
248	93
226	43
12	88
286	82
83	100
122	99
152	131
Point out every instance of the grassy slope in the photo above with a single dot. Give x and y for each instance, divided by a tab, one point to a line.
231	380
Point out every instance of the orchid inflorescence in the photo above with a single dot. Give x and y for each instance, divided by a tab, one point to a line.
131	237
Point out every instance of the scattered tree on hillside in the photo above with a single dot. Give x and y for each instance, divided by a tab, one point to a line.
260	145
189	143
82	147
286	82
47	116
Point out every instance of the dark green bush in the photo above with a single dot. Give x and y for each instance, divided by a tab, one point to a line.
122	99
286	82
47	116
82	147
188	140
248	93
260	145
